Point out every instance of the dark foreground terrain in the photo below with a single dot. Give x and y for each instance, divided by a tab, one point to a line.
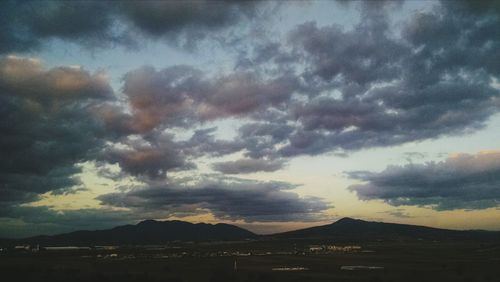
255	261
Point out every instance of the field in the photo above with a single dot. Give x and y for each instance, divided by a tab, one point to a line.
397	261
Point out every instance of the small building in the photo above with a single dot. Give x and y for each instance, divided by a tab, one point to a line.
22	248
67	248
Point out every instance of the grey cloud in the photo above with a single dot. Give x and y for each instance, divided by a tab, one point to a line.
242	166
337	115
46	127
460	182
262	138
389	117
186	22
244	92
90	23
10	36
167	96
434	80
468	30
360	88
182	95
28	25
26	78
23	186
226	198
365	55
117	122
203	142
151	156
277	131
267	53
159	17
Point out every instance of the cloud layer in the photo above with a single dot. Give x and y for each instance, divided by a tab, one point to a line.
248	166
460	182
226	198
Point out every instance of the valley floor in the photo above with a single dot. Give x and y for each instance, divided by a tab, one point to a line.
390	261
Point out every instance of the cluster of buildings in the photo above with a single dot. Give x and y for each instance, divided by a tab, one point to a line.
26	248
179	251
360	267
334	248
37	248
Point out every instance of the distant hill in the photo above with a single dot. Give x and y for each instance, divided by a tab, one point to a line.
349	229
146	233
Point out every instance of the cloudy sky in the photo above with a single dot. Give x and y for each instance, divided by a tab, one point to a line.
268	115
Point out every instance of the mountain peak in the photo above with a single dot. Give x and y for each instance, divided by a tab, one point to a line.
147	221
347	220
162	222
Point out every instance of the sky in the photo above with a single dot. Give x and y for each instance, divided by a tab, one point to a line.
270	115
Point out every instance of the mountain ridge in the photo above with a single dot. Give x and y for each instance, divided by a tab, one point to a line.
345	229
145	232
357	229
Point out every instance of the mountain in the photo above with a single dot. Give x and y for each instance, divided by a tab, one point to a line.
150	232
145	233
349	229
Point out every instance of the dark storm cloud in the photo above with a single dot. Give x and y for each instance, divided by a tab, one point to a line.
160	17
226	198
11	34
24	221
27	25
186	22
74	218
46	127
460	182
248	166
87	22
21	186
